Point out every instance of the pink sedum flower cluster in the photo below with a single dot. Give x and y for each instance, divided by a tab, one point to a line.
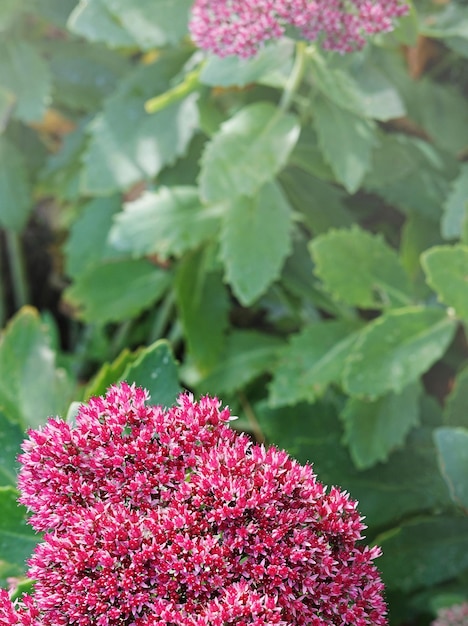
155	516
240	27
456	615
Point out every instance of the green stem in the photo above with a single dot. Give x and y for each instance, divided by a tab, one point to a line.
3	312
17	268
295	77
120	338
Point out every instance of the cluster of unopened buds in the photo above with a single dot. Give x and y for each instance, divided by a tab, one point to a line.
158	516
240	27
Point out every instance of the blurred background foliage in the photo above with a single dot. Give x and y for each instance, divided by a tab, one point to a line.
287	232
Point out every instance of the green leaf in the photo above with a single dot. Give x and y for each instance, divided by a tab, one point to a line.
452	449
128	145
307	156
7	105
374	429
455	413
424	552
411	174
203	304
380	96
255	240
446	269
117	290
248	151
167	222
32	388
313	360
24	73
55	11
409	483
152	23
346	140
83	73
419	234
155	369
15	195
455	206
60	176
9	11
395	349
17	540
95	22
271	65
87	243
320	203
248	354
443	114
336	87
11	438
109	374
360	269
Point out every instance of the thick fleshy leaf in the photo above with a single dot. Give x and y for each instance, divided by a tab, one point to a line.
84	74
255	240
395	349
87	243
424	552
248	354
455	207
443	114
446	269
167	222
95	22
313	360
117	290
409	482
109	374
452	448
455	410
17	540
11	438
320	203
381	99
411	174
271	65
32	388
152	23
15	195
128	145
203	304
374	429
360	269
25	74
350	155
9	10
155	369
249	150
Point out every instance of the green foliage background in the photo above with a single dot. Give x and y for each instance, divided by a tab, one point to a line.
291	229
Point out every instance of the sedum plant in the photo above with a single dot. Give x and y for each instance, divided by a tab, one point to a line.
155	516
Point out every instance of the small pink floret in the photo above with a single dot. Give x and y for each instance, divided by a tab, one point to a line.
240	27
155	516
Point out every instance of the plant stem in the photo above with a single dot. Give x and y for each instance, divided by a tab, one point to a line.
295	77
17	268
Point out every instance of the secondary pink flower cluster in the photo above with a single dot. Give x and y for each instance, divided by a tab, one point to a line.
157	517
454	616
240	27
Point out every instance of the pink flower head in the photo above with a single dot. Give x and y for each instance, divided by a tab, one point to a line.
240	27
456	615
157	516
